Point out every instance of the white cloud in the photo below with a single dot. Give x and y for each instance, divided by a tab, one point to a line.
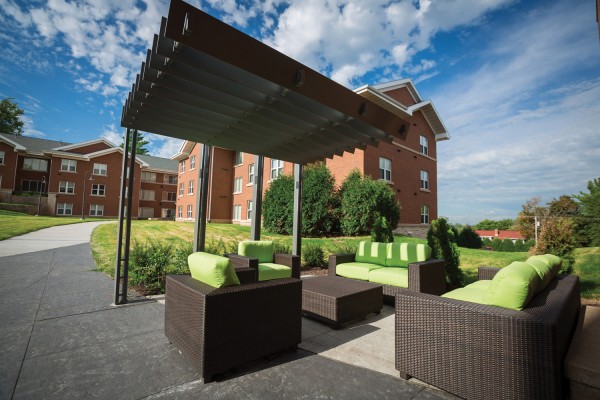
162	146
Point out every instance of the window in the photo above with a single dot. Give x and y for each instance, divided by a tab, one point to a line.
237	185
250	174
1	158
191	188
66	187
35	164
146	212
192	162
147	195
32	186
101	169
96	210
171	179
237	212
239	158
181	189
148	177
385	169
276	168
424	180
424	145
249	209
68	165
64	209
98	190
424	214
190	210
170	196
182	167
179	211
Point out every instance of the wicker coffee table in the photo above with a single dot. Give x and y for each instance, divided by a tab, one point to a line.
339	300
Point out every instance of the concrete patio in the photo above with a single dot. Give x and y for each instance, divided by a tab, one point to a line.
62	338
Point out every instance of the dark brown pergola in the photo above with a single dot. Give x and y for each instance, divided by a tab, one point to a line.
207	82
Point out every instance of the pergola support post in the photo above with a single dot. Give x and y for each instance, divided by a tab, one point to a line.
202	201
257	191
297	225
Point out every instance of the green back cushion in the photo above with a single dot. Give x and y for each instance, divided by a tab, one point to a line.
261	249
371	252
544	270
513	286
213	270
390	276
401	254
268	271
356	270
552	261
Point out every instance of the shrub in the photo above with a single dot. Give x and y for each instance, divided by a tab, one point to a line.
320	201
557	238
496	244
278	205
364	200
179	260
382	231
313	255
507	246
486	242
468	238
220	247
440	238
345	247
280	247
148	266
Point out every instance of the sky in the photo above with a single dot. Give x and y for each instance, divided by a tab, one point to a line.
517	83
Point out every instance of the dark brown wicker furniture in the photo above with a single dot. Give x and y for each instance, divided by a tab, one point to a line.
425	277
218	329
278	258
339	300
477	351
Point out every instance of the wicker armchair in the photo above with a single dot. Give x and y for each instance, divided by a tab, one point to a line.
288	260
478	351
218	329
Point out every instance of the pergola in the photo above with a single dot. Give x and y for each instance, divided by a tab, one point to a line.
207	82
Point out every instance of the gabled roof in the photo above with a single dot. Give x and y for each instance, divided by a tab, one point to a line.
159	163
377	94
184	151
31	145
84	144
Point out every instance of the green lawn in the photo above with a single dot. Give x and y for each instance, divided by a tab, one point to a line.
15	223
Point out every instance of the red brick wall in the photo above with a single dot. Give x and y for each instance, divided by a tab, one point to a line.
185	178
340	167
402	95
30	175
7	170
160	188
92	148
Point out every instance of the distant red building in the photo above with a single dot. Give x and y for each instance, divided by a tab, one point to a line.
502	235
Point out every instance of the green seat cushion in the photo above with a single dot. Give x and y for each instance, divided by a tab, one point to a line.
468	293
513	286
213	270
543	269
552	261
400	254
371	252
261	249
356	270
483	284
390	276
268	271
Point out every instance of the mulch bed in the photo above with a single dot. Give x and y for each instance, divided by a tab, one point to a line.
315	271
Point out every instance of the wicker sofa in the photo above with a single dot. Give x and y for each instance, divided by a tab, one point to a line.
373	261
221	328
479	351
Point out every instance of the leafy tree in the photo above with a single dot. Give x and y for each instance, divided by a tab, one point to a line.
140	144
10	117
526	220
489	225
589	221
364	200
556	237
440	238
278	205
382	231
468	238
564	206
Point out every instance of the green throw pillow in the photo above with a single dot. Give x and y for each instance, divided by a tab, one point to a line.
371	252
543	269
261	249
213	270
513	286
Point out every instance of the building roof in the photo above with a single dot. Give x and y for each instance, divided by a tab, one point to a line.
507	234
207	82
158	163
32	144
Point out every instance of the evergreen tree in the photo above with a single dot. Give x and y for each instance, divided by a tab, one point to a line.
589	221
10	117
440	238
140	144
468	238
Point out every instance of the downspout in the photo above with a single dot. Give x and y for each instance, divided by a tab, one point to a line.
212	172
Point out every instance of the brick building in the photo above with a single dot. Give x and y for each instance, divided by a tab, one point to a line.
408	164
84	178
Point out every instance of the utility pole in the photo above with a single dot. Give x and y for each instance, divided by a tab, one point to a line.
537	224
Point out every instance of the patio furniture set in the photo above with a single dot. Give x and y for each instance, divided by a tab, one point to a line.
505	336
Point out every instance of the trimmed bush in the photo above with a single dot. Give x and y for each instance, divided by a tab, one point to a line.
313	255
278	205
440	237
382	231
496	244
468	238
507	246
320	201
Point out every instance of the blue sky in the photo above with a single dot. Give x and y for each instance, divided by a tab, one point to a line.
517	83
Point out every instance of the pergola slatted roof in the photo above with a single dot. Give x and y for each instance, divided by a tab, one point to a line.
207	82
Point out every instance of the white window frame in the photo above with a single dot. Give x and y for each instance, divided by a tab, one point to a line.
190	211
251	174
385	169
101	169
192	162
179	211
35	164
147	195
423	145
62	208
66	187
181	189
96	210
425	214
239	158
2	155
182	166
191	188
249	207
68	165
237	185
99	188
276	168
237	212
424	180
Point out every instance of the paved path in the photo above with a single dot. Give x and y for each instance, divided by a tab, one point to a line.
63	339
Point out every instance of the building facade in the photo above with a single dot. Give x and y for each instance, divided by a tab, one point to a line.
408	164
84	178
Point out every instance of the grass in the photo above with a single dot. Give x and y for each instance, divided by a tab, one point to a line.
15	223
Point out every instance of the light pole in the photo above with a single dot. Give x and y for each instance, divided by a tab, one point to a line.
83	200
40	195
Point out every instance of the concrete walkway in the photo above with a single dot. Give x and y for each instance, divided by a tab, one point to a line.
62	339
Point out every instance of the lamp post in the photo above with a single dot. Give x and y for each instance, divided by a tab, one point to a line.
40	195
83	200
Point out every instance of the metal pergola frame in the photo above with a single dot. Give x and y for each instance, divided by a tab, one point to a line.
207	82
